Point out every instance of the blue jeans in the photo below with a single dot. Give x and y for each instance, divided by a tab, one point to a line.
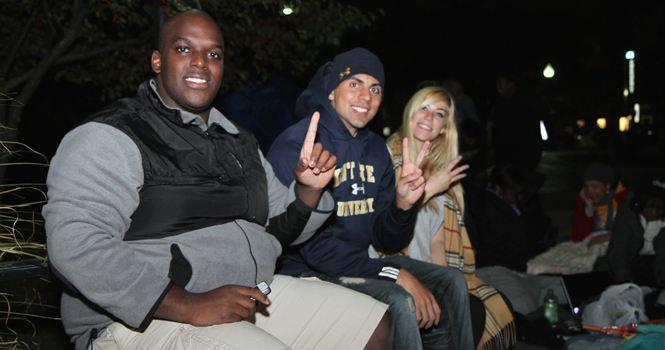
449	289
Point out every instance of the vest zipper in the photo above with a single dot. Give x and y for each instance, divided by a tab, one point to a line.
242	181
236	159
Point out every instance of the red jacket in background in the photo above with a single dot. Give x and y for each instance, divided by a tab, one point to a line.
583	225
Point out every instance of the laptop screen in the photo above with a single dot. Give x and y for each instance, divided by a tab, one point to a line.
584	287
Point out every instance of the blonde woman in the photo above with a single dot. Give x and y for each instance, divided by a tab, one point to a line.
440	236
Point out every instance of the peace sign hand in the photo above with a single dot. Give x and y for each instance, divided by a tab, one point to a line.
410	186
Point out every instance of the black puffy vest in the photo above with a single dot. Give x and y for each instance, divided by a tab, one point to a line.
192	179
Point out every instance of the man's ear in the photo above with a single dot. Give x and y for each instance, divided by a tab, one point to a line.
331	97
156	62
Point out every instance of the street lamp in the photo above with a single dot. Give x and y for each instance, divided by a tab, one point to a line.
601	123
630	56
549	71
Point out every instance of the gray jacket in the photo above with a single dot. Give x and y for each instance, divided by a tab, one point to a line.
93	188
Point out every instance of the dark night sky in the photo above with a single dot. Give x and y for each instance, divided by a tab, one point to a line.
585	41
470	40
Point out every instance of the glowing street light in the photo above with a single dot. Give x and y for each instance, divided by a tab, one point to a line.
630	56
601	123
549	71
624	124
287	10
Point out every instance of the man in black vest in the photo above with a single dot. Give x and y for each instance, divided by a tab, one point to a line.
164	215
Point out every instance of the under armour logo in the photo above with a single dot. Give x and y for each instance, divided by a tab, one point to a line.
342	74
357	189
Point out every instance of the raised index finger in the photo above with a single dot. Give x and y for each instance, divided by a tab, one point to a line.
308	145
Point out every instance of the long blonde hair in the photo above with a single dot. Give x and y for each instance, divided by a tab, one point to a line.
442	150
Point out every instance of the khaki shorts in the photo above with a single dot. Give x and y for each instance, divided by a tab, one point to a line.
303	314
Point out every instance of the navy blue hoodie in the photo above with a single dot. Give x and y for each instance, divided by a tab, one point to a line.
363	187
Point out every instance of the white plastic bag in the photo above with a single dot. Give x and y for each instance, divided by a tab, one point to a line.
618	305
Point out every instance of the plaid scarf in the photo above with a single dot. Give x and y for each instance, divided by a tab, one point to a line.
499	324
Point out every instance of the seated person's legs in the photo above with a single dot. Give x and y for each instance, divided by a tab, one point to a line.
304	314
400	302
309	314
450	289
524	292
162	334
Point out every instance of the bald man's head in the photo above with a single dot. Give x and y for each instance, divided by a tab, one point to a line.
190	62
167	28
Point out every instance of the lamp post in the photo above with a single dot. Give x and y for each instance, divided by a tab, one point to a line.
548	73
630	56
629	82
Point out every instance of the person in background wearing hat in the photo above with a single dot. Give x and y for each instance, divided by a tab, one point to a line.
428	303
597	203
637	248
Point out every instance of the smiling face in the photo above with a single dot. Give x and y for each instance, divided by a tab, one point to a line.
356	101
429	122
190	63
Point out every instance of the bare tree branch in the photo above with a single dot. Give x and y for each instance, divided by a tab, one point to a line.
117	45
75	57
76	7
33	80
52	31
12	53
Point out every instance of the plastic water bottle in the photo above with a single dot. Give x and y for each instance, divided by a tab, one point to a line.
551	306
